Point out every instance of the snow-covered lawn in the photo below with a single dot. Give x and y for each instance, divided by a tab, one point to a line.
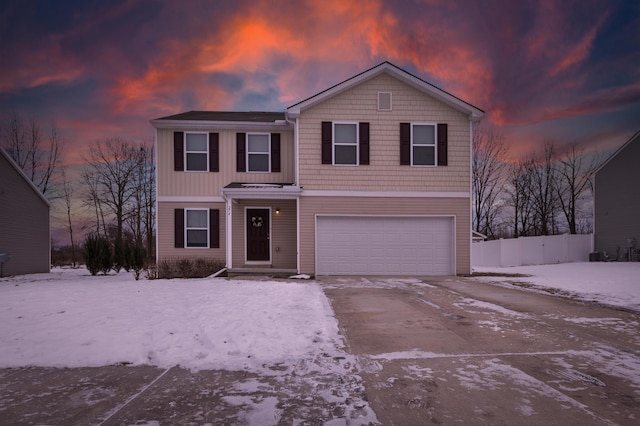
69	318
609	283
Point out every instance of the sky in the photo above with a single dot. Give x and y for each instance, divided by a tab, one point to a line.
565	71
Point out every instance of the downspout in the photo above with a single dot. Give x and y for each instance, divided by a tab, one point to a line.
155	201
228	231
296	165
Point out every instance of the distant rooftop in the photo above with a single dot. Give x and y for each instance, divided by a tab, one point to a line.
246	116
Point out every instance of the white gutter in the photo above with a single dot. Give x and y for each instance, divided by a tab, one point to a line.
233	125
228	234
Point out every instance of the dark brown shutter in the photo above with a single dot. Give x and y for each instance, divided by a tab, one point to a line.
178	151
214	228
442	144
405	144
213	153
327	130
275	152
364	143
179	228
241	161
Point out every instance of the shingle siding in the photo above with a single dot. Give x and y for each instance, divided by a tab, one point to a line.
24	224
384	172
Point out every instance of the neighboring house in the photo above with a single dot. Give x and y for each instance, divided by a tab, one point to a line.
617	202
24	221
369	177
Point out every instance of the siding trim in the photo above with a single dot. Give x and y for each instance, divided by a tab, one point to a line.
383	194
188	199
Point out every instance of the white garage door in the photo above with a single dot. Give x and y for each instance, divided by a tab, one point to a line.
365	245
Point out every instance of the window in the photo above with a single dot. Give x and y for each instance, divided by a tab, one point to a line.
196	152
258	152
197	227
423	145
345	144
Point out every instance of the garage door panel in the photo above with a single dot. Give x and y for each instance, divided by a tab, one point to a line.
365	245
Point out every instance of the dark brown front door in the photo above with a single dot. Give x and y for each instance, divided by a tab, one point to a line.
258	247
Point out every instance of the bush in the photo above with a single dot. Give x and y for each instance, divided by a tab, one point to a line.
135	259
187	268
97	254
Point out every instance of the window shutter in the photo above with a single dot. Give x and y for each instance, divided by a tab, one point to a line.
179	228
364	143
178	151
214	228
442	144
275	152
405	144
213	153
327	136
241	161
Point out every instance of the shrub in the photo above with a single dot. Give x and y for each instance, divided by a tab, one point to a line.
97	254
187	268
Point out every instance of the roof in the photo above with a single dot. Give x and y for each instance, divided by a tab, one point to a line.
619	150
245	116
6	155
474	113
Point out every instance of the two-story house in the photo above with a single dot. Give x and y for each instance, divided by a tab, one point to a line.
369	177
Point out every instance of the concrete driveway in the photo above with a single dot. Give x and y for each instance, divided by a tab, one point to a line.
423	351
456	351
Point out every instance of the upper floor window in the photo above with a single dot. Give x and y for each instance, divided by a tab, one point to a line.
196	152
345	144
423	145
258	152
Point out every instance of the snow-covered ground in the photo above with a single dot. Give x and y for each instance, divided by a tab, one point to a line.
609	283
69	318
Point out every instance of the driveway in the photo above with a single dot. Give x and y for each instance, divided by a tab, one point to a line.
421	351
456	351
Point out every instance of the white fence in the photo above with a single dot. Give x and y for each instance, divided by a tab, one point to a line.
532	250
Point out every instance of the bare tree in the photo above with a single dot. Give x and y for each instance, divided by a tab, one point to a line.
574	178
141	220
67	192
39	161
518	189
543	193
488	169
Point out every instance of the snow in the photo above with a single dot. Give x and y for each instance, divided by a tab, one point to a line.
70	319
609	283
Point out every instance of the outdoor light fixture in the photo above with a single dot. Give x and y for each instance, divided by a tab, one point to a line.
277	211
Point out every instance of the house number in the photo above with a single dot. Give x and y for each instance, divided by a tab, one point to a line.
257	221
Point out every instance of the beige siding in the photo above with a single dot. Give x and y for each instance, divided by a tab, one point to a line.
283	233
384	172
24	224
456	207
172	183
165	230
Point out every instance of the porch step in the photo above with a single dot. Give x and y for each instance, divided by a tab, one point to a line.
265	272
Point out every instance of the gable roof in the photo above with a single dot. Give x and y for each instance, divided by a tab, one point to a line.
636	136
475	114
17	168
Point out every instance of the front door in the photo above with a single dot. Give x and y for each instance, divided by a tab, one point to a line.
258	247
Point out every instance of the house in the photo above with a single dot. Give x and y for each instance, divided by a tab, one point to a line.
617	203
24	222
368	177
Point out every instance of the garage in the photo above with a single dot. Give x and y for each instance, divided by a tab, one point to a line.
383	245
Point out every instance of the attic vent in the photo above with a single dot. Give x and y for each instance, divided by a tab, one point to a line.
384	101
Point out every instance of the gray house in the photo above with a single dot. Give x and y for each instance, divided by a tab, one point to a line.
617	203
24	221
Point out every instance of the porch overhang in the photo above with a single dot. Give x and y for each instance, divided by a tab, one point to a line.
265	191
